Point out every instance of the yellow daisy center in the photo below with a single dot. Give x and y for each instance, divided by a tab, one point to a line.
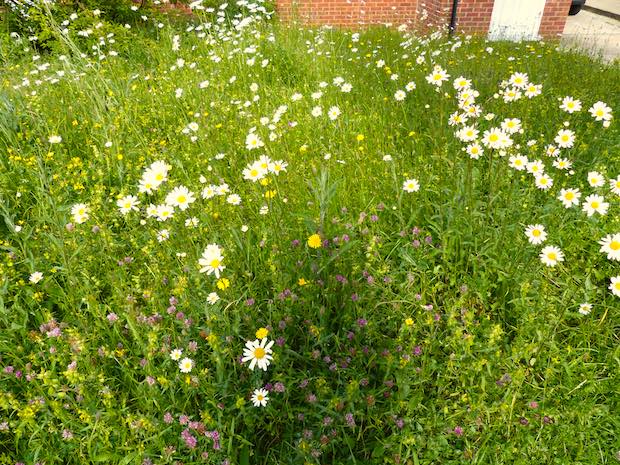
259	352
595	204
181	199
552	256
569	196
215	263
493	137
615	245
536	232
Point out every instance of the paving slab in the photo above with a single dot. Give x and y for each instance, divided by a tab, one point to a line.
593	34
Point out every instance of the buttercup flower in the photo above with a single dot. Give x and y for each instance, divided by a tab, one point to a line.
314	241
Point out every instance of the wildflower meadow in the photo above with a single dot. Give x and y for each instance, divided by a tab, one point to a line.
230	240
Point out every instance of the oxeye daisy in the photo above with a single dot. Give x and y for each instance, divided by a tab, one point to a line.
474	151
562	163
467	133
600	111
35	277
258	353
495	138
212	298
595	204
614	285
551	255
411	185
253	172
277	167
570	105
79	211
615	185
147	184
234	199
333	113
518	162
127	204
511	125
461	83
532	90
164	212
565	138
260	397
536	234
209	192
569	197
543	181
186	365
585	308
536	167
438	76
211	260
252	141
158	172
180	197
596	179
552	151
400	95
176	354
519	80
610	245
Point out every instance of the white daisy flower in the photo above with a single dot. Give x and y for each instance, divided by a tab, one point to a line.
610	245
127	204
551	255
569	197
536	234
411	185
186	365
260	397
258	353
595	204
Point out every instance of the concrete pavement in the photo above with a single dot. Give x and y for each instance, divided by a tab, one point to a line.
593	33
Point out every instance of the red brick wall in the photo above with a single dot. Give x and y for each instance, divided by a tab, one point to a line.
473	16
349	12
554	18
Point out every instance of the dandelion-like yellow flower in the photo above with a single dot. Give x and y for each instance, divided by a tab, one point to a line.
409	321
314	241
261	333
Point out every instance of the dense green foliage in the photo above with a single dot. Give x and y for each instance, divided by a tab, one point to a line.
410	327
